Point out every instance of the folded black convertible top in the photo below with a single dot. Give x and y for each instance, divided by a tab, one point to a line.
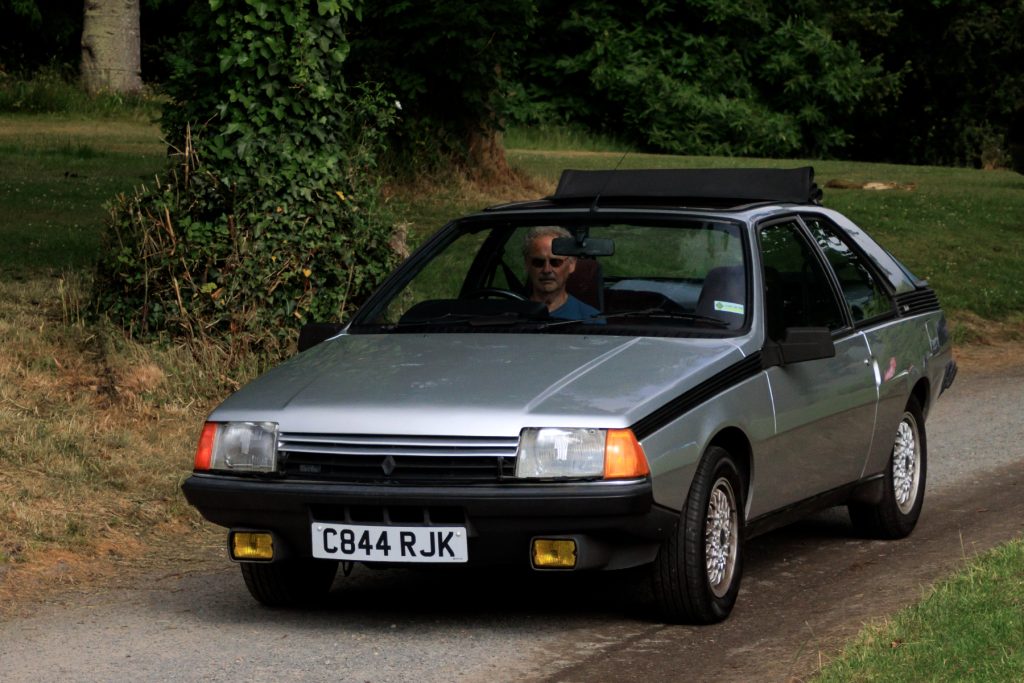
692	185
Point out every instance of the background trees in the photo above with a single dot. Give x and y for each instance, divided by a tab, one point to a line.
701	77
51	34
924	81
928	81
286	115
961	81
449	65
35	33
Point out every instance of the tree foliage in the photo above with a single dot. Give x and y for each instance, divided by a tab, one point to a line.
271	215
702	76
929	81
35	33
962	83
449	65
924	81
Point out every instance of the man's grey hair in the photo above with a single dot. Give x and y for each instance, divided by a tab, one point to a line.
542	231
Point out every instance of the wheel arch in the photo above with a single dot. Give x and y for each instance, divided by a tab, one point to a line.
734	440
922	392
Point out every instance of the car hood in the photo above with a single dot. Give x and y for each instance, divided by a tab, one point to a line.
475	384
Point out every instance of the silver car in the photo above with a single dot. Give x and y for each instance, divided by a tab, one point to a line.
746	357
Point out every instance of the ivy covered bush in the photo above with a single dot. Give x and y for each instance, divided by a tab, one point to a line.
269	215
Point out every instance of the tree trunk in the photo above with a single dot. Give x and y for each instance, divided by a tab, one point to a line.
486	154
1015	139
111	46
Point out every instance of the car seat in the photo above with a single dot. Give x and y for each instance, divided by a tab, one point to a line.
724	295
587	282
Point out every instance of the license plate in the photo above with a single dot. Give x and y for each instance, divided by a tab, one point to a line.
364	543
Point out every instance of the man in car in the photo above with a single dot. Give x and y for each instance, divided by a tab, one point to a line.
547	274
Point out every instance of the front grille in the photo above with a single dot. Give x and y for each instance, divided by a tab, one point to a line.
397	459
390	514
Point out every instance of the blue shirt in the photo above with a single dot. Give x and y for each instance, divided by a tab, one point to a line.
574	309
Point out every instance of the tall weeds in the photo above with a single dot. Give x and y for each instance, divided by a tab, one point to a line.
50	92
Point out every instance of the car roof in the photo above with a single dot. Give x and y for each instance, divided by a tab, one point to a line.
719	185
742	195
719	189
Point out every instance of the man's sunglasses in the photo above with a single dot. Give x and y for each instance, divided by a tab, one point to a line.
539	262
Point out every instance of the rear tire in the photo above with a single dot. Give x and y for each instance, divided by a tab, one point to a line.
289	583
896	515
696	576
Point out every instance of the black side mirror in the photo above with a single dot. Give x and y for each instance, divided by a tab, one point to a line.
798	345
312	334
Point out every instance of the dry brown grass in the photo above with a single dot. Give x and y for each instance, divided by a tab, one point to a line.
470	191
35	131
988	345
976	330
98	434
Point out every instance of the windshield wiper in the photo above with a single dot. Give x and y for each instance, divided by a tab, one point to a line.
503	319
445	319
471	320
674	315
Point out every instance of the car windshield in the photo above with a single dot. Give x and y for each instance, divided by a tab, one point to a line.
684	278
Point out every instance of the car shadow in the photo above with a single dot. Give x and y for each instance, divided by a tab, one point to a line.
496	596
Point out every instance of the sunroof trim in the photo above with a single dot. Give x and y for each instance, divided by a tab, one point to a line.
726	185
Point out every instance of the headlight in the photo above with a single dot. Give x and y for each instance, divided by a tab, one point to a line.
238	447
580	454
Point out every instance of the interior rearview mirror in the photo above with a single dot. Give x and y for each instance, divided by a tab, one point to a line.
588	246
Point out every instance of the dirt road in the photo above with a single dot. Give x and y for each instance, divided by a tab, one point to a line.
806	589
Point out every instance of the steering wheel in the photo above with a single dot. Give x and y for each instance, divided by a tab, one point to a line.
486	292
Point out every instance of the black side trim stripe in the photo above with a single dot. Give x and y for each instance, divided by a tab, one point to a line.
709	388
918	301
796	511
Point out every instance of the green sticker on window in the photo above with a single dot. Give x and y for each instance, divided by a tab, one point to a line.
729	307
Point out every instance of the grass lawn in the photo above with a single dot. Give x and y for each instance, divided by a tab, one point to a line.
969	628
56	174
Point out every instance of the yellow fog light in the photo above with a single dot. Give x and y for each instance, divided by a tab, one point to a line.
249	545
554	553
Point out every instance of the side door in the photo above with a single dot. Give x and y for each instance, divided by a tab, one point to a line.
824	409
873	312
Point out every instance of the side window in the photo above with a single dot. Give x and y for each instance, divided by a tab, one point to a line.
861	289
797	289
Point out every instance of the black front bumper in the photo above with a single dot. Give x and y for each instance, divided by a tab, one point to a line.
616	524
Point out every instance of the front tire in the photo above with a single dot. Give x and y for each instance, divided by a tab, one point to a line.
696	576
896	515
289	583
